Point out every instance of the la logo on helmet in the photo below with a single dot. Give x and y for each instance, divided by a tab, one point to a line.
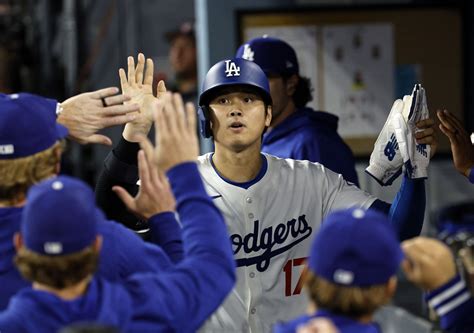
231	69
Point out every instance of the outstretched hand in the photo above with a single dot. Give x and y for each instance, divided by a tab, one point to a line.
87	113
461	146
175	138
429	263
137	84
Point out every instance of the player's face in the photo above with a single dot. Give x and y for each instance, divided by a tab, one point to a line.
182	56
238	119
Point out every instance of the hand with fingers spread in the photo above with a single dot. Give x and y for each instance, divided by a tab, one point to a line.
85	114
461	146
154	195
176	140
429	263
137	84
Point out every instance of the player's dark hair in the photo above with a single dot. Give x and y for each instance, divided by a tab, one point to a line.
228	89
348	301
303	92
57	272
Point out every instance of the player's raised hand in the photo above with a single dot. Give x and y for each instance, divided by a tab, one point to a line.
175	136
85	114
137	84
154	195
429	263
461	146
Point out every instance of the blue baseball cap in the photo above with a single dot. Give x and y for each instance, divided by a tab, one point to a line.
356	247
60	217
27	125
273	55
235	71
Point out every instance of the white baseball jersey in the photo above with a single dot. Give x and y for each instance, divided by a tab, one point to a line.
271	225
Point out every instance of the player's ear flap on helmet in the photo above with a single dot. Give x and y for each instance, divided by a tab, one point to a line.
205	121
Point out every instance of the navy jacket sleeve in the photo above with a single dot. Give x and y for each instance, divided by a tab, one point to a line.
166	232
183	297
408	208
454	305
123	253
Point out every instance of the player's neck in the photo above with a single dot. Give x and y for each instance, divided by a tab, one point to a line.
68	293
277	119
238	166
367	319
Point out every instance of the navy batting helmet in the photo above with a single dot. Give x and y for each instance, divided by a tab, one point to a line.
230	72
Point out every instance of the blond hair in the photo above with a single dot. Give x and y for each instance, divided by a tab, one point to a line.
19	174
349	301
58	272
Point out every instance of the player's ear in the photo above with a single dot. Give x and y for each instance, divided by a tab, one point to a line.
391	287
268	116
17	241
97	243
291	84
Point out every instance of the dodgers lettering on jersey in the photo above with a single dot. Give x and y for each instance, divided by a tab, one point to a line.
271	225
297	229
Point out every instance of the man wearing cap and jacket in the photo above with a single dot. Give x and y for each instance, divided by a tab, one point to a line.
31	143
296	131
353	264
59	243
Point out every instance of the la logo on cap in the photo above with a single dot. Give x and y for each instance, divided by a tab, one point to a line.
248	53
343	277
231	69
53	247
7	149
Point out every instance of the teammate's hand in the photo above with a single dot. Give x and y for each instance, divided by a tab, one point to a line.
154	195
429	263
137	84
426	134
85	114
461	146
318	325
175	138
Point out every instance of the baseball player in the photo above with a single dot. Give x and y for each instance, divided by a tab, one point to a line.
296	131
272	206
59	242
352	272
31	142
